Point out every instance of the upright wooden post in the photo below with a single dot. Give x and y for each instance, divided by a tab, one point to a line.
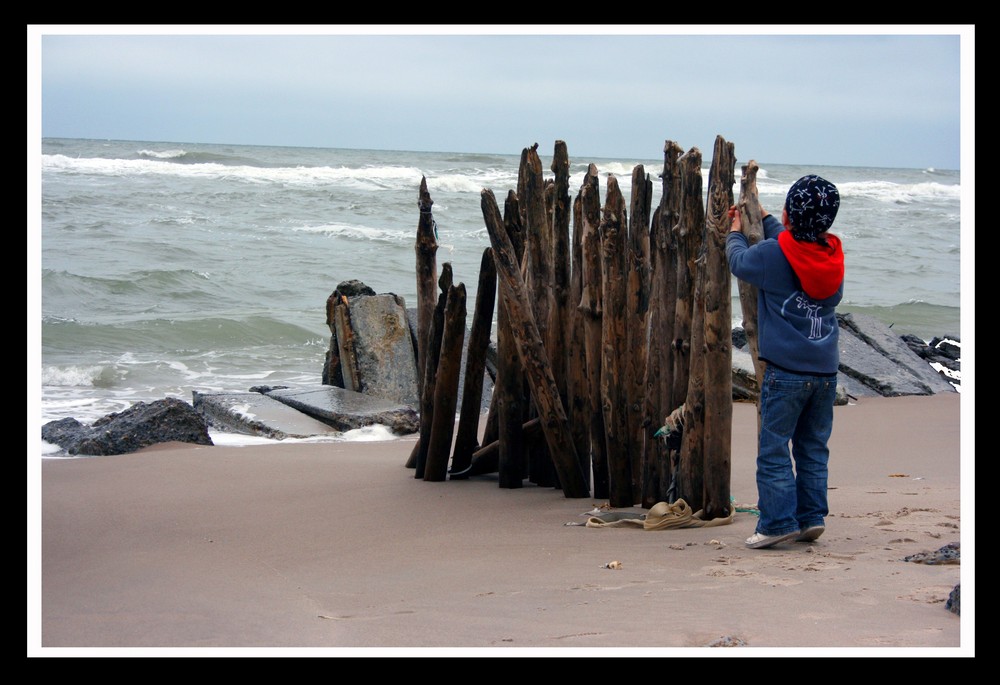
531	351
718	334
509	392
691	465
689	230
467	438
425	247
614	228
446	385
657	466
578	407
751	220
637	308
556	344
430	372
591	308
538	252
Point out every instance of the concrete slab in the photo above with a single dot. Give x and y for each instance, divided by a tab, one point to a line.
346	409
252	413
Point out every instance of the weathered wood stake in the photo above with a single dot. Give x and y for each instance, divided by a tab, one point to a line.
446	385
591	308
637	308
657	466
614	230
718	334
531	352
467	438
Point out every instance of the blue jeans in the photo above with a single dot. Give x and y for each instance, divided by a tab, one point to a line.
796	409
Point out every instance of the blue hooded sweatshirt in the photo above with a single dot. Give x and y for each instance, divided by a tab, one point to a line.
796	332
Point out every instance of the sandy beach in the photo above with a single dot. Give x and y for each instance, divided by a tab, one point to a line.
335	549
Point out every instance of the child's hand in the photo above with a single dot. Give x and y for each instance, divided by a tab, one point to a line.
737	225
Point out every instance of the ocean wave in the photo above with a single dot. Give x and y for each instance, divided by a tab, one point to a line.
364	178
85	376
354	231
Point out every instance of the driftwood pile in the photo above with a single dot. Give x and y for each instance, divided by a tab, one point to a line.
602	332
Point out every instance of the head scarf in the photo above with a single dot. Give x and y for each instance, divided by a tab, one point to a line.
812	204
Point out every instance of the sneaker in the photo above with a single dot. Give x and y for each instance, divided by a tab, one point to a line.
759	540
810	533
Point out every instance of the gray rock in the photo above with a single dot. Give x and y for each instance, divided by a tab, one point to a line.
954	601
882	340
141	425
253	413
383	363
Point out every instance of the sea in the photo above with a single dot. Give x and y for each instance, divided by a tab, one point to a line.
157	269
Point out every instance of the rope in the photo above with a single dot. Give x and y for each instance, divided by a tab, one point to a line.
661	516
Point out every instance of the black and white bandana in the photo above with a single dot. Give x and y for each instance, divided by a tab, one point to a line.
812	204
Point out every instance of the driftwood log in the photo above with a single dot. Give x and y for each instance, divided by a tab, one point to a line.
531	352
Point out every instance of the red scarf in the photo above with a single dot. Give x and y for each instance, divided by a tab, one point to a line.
820	269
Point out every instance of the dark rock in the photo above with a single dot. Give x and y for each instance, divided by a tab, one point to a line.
947	347
953	604
937	352
263	389
354	288
739	338
141	425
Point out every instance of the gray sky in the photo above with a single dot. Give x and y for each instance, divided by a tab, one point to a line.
872	96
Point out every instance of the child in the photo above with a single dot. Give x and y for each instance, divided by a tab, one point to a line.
798	269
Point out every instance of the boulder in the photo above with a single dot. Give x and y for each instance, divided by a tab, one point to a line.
141	425
879	359
371	346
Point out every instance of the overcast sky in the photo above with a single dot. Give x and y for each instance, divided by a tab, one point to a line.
876	96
